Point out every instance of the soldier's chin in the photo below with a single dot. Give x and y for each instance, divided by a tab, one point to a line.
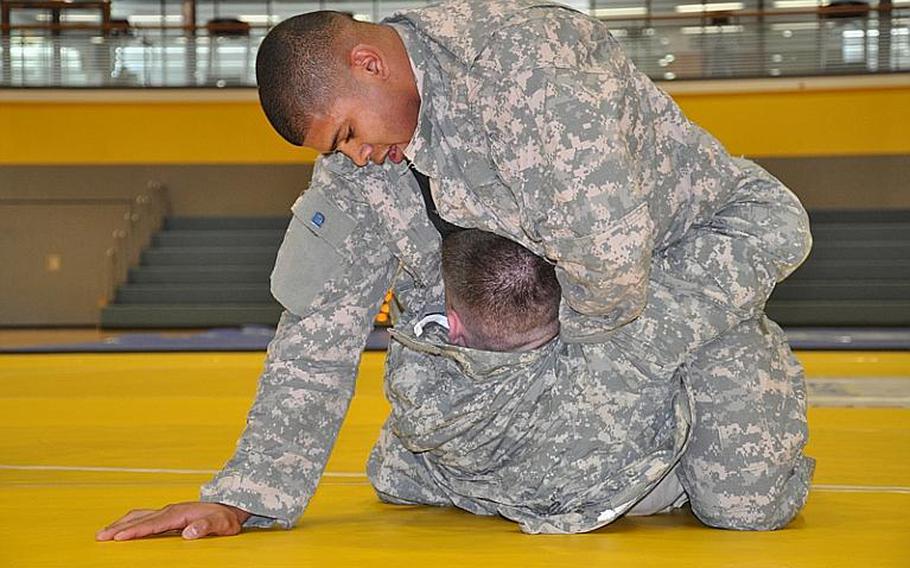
395	154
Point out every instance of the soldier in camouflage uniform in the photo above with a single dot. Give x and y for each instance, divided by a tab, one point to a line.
535	126
566	437
492	412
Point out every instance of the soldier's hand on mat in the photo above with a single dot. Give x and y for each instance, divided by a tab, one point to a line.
194	519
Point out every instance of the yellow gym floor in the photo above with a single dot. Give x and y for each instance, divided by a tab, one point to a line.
85	438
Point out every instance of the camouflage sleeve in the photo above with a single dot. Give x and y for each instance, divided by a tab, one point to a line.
569	154
567	131
599	230
737	255
719	274
593	145
331	274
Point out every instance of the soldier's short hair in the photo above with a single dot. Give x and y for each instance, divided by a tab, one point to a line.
299	68
503	292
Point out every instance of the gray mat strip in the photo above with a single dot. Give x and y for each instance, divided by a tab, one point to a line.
846	338
862	392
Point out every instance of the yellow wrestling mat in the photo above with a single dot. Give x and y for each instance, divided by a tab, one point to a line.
85	438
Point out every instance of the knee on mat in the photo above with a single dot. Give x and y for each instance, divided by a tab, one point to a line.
767	510
744	518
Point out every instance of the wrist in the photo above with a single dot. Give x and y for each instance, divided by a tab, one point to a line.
240	514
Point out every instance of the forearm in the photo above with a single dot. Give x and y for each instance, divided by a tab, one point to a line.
722	271
747	246
291	429
331	277
610	168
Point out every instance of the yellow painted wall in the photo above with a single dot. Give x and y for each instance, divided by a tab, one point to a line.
207	132
815	123
786	123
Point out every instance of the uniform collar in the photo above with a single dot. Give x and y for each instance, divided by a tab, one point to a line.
427	74
477	364
464	28
418	77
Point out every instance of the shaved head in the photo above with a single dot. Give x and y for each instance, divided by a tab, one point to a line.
300	69
505	295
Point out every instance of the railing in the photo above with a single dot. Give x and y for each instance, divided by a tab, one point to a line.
744	44
833	40
144	216
706	45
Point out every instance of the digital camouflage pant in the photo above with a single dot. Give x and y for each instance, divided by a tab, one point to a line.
744	467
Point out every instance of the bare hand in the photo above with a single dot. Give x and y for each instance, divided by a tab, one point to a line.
194	519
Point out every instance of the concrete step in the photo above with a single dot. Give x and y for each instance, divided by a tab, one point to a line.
185	238
817	290
839	313
819	216
195	294
837	232
183	316
200	274
861	250
226	223
820	269
210	256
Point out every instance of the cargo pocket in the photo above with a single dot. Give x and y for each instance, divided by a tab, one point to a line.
312	253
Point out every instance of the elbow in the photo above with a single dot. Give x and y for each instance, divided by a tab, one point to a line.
787	230
798	239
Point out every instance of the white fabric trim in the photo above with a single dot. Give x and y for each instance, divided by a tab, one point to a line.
439	319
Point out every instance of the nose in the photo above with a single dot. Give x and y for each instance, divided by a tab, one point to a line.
358	153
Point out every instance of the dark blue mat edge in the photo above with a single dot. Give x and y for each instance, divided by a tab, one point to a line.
257	339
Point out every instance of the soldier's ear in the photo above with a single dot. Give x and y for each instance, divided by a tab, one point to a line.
456	328
369	61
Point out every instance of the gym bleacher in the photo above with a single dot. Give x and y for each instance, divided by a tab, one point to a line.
213	272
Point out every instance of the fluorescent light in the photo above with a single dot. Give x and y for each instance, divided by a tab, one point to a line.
154	20
783	4
259	19
618	12
71	18
225	49
709	7
856	34
708	30
795	26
